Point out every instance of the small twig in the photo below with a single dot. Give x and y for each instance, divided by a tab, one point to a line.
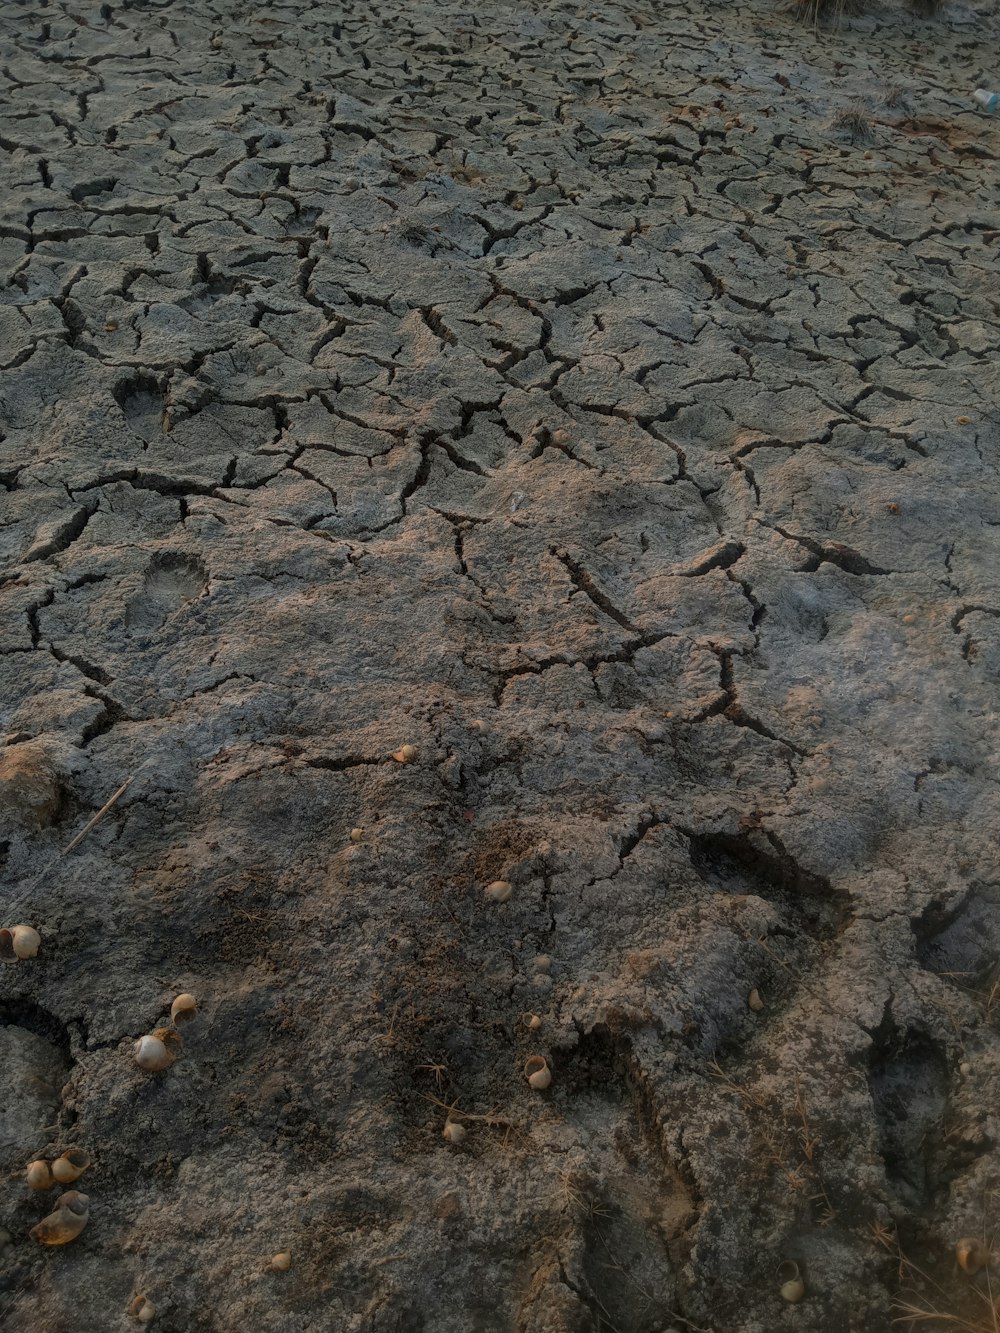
16	906
455	1114
108	805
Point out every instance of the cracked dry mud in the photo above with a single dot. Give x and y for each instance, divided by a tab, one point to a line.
580	398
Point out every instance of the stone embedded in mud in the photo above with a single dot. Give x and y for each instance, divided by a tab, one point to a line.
30	788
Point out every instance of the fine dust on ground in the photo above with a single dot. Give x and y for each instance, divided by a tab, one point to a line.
604	403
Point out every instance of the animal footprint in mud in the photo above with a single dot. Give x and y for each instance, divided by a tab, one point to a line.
172	579
908	1082
143	405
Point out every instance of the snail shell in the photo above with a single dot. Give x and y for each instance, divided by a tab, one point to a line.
357	834
70	1166
282	1262
537	1072
65	1223
19	942
972	1254
143	1309
26	941
39	1175
453	1132
499	891
183	1008
793	1288
405	754
151	1053
754	1001
532	1021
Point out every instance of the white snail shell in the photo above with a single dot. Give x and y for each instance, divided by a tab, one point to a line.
453	1132
143	1309
152	1054
24	941
793	1288
537	1072
405	754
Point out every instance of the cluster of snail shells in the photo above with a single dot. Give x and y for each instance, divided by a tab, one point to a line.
19	942
160	1048
65	1222
70	1166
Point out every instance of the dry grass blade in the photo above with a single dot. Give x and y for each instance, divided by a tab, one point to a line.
915	1314
109	804
825	11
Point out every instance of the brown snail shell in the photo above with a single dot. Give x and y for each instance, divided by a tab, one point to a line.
70	1166
971	1254
453	1132
65	1222
184	1008
537	1072
499	891
143	1309
282	1262
532	1021
405	754
39	1175
754	1001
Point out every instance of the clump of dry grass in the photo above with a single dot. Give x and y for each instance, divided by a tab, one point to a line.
927	9
825	11
855	123
916	1311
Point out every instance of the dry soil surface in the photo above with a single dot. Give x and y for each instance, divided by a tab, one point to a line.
604	403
